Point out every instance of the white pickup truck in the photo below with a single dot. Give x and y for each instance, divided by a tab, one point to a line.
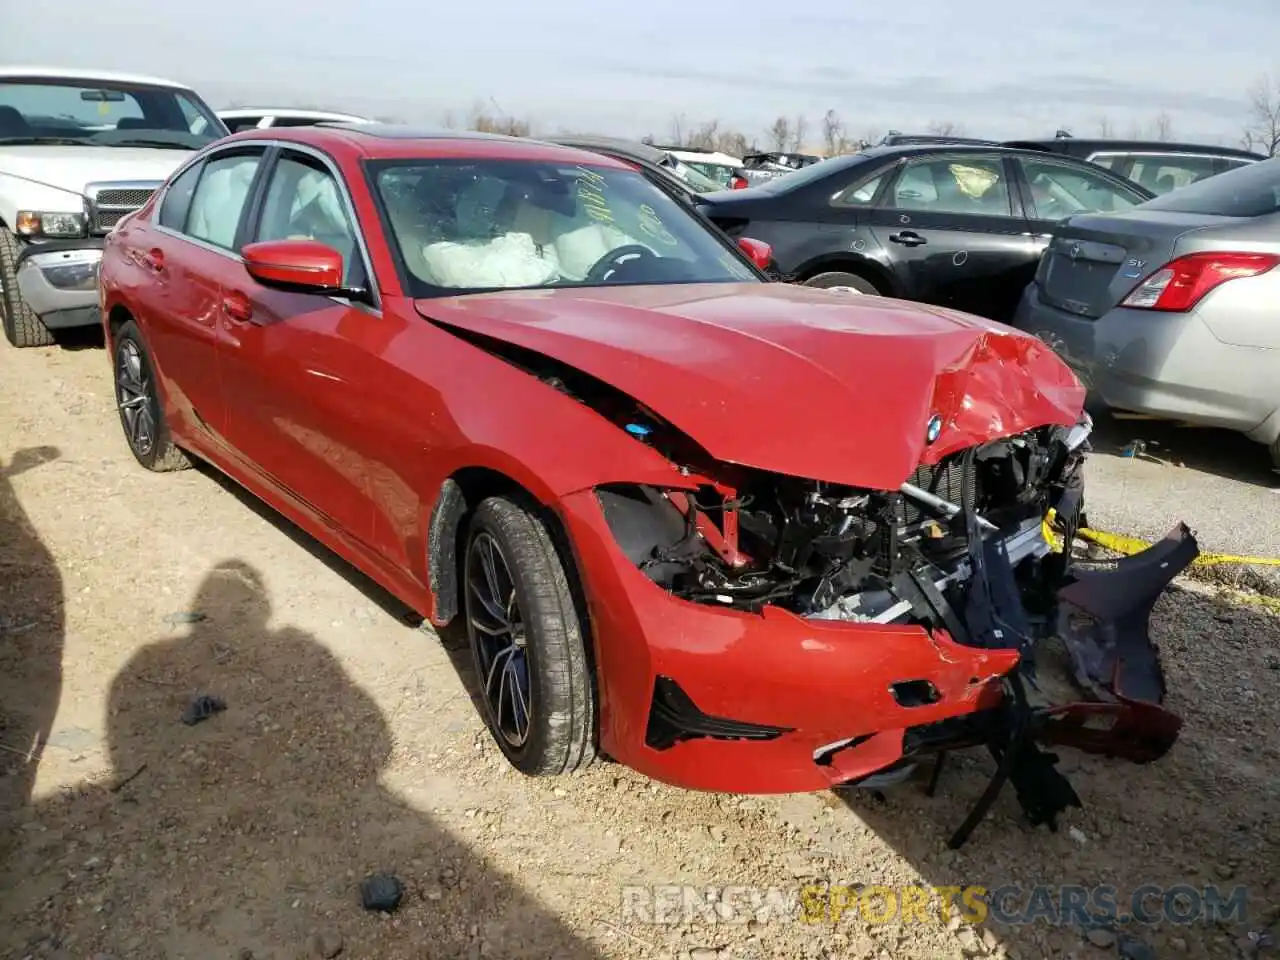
78	151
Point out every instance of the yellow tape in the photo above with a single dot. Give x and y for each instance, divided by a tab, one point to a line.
1119	543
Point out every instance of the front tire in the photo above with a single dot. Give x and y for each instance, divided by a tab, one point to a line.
527	642
838	278
138	399
22	326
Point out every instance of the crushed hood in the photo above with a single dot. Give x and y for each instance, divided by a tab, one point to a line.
790	379
71	167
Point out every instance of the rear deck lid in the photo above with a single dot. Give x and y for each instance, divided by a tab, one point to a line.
1094	260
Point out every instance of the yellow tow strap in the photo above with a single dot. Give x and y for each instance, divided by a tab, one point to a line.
1119	543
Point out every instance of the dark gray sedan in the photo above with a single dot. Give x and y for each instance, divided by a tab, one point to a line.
1172	308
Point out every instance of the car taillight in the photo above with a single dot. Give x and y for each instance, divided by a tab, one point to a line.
738	183
1182	283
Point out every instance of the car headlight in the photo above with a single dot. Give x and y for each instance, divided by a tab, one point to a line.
33	223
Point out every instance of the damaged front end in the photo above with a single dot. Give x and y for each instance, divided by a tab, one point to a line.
963	549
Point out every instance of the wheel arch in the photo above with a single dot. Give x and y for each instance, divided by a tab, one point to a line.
871	271
459	495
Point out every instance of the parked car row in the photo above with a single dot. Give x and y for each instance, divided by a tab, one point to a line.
954	222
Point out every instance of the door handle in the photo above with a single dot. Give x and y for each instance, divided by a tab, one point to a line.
153	260
908	238
237	307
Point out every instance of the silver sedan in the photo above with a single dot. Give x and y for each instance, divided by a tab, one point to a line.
1172	307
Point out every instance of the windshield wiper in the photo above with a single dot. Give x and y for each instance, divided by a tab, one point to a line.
29	141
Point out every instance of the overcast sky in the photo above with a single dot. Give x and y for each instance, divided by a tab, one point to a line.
628	69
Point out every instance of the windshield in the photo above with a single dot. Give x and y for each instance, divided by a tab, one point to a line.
477	225
1248	191
108	114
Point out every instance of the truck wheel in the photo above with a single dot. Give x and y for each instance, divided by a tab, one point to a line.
527	642
138	399
22	327
827	281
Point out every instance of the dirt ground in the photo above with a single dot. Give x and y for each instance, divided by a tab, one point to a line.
349	746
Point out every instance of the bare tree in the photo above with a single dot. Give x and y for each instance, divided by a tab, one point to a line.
678	126
1163	126
780	134
483	121
449	122
1105	128
946	129
833	135
1263	132
798	130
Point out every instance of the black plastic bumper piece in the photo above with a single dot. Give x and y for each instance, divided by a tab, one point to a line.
674	717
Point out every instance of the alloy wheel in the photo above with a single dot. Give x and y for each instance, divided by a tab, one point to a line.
496	629
135	398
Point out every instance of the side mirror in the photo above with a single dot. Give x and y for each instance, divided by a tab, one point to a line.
305	266
759	252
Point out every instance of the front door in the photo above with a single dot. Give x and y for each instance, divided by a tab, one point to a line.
292	363
953	231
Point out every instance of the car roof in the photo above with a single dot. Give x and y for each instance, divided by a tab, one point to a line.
375	141
86	76
234	112
1112	143
615	145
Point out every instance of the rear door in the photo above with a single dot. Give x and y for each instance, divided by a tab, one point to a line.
952	227
186	254
292	363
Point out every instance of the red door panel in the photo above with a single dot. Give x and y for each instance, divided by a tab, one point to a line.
178	313
292	397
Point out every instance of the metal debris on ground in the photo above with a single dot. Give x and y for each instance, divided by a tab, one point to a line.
381	891
202	708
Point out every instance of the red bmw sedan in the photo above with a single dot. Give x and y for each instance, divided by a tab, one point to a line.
736	534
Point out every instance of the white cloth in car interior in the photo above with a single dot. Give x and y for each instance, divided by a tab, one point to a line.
218	201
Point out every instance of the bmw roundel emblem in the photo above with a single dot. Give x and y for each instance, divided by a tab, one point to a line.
933	429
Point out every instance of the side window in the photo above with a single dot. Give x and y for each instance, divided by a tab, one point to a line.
1059	190
1160	174
304	202
220	198
954	184
294	122
859	194
177	199
1108	160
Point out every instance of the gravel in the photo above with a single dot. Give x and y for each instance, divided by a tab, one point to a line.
349	747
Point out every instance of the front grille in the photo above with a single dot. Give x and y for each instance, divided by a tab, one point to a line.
109	202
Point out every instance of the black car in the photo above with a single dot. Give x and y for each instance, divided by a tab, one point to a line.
956	225
1158	165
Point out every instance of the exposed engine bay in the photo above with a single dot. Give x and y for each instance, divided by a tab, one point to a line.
966	545
839	552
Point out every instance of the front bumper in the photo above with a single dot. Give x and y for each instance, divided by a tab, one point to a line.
814	703
59	281
1163	364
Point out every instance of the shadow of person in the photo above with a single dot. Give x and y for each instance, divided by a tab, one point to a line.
248	833
32	630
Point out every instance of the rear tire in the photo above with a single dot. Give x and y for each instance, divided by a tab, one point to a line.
832	279
138	399
527	642
22	327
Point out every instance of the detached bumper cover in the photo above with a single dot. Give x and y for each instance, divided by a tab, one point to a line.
59	281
